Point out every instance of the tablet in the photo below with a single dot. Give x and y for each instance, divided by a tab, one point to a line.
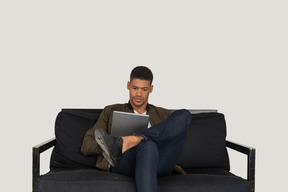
124	123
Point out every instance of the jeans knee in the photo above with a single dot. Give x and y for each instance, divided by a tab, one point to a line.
184	114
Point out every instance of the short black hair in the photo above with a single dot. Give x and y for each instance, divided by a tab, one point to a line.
143	73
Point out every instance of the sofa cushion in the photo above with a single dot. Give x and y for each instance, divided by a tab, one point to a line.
206	143
70	128
93	180
203	183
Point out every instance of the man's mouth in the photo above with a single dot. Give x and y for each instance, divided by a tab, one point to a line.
138	99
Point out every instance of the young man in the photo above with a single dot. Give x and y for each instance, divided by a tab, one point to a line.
147	155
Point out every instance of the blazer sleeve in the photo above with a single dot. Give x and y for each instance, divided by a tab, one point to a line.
89	144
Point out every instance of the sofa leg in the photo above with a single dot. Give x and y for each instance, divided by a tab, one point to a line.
251	169
36	167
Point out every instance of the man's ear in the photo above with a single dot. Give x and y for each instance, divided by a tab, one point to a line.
151	88
128	85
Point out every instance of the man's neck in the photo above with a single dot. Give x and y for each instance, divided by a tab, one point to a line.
141	109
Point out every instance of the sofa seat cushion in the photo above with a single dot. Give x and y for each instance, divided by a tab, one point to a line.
203	183
85	180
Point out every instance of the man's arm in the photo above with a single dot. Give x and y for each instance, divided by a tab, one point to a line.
89	144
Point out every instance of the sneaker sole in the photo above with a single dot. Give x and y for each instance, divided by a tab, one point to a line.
104	147
108	159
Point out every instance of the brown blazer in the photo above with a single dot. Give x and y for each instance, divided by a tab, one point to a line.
89	145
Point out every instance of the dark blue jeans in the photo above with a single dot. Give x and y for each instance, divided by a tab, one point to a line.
157	155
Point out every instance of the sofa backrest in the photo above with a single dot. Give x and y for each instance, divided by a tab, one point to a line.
205	145
70	128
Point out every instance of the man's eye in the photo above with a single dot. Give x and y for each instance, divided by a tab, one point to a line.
145	89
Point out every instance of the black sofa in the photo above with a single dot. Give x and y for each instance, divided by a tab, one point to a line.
204	159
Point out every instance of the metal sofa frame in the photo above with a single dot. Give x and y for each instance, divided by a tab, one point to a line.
250	152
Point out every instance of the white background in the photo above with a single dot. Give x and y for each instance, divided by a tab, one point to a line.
225	55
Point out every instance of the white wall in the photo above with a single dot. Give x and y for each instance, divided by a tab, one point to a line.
224	55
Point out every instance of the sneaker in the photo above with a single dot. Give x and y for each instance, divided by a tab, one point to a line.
110	145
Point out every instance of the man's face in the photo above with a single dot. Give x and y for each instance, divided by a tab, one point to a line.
139	91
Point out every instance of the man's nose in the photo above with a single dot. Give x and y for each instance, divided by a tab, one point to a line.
139	92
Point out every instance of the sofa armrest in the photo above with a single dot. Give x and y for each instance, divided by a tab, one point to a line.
250	152
36	151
